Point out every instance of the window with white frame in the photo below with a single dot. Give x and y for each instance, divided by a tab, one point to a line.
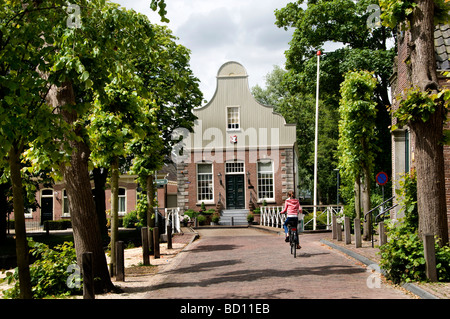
122	201
204	182
265	180
66	211
234	167
233	118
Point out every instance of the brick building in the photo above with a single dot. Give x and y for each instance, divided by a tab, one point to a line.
240	154
54	205
402	142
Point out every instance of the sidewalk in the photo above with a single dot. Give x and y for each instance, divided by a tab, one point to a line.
368	255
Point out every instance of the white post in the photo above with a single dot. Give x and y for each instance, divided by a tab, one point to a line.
316	141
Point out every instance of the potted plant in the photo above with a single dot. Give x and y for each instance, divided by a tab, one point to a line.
250	218
257	214
215	219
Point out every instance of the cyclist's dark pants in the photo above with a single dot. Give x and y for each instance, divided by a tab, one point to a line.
293	221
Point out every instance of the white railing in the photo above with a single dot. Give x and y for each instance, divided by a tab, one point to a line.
171	215
270	215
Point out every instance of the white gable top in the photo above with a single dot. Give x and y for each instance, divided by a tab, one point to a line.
232	69
253	125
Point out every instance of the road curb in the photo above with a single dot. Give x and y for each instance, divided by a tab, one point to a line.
408	286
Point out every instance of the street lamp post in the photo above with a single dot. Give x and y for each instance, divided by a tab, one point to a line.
316	141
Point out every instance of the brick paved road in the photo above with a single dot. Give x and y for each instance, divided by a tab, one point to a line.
247	263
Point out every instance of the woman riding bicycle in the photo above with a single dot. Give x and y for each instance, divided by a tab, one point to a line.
293	208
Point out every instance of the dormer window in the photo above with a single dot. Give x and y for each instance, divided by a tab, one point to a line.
233	118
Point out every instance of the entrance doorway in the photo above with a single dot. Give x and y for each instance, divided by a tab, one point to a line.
46	205
235	186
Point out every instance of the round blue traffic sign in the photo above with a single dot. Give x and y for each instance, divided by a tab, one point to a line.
382	178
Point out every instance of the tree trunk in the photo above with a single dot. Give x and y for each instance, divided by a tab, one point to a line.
367	231
3	212
19	221
86	230
358	197
100	176
114	213
150	209
429	158
429	163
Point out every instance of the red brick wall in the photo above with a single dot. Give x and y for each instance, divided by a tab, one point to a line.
188	179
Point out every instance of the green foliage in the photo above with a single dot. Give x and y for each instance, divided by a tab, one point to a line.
316	23
250	217
201	219
419	106
131	219
49	273
402	257
137	217
356	145
191	213
215	218
407	192
395	12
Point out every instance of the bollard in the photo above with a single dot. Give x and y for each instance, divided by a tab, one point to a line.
382	233
156	242
430	257
88	276
232	221
169	237
334	226
358	241
339	231
347	228
145	251
120	261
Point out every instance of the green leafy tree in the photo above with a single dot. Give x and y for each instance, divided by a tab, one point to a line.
344	22
356	145
424	107
88	59
167	80
24	116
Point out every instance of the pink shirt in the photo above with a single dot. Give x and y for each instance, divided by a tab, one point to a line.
292	206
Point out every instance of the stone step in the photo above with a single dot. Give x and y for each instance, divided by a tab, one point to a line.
239	217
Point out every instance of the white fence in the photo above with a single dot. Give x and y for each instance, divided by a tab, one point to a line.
270	215
172	216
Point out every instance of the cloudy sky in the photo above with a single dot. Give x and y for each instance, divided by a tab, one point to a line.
217	31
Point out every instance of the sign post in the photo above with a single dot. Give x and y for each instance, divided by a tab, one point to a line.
382	179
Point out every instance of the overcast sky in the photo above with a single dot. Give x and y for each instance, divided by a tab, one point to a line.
218	31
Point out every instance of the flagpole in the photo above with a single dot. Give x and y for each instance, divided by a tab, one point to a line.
316	142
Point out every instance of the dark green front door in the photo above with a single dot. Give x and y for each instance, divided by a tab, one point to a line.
235	191
46	209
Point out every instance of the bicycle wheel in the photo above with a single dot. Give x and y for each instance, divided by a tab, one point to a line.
291	241
294	245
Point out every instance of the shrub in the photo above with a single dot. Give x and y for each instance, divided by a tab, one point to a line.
250	217
191	213
215	218
201	219
402	257
130	220
49	273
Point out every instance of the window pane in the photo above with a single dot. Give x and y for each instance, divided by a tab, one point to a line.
47	192
121	204
204	168
233	117
265	180
204	182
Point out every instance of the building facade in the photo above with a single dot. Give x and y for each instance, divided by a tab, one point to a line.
402	141
240	154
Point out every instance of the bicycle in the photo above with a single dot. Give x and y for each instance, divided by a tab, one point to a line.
293	238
